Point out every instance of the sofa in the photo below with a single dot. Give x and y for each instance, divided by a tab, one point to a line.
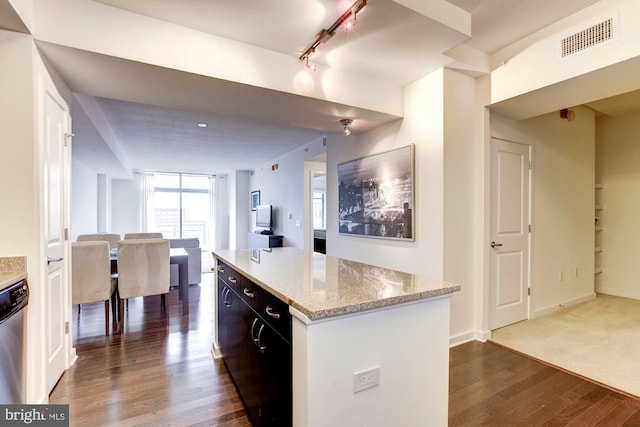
192	247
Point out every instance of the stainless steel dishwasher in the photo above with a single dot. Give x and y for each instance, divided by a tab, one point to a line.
12	301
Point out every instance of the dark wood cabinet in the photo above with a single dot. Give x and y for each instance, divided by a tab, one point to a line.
254	335
260	241
275	377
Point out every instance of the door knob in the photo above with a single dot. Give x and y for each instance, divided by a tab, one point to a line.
495	245
50	260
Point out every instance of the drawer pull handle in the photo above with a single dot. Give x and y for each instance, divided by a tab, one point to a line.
221	270
260	346
271	313
248	293
253	326
233	280
225	295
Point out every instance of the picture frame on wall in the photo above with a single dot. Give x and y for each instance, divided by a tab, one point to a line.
255	199
376	195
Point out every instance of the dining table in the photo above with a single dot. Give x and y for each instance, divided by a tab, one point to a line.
177	256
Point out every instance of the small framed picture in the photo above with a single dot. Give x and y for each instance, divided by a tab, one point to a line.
255	199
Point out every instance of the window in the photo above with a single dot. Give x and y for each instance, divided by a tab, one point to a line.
319	201
181	206
319	214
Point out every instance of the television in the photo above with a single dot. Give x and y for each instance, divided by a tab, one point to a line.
264	218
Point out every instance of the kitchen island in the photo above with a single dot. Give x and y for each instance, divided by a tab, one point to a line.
368	345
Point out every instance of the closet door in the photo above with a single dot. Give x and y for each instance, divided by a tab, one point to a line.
509	244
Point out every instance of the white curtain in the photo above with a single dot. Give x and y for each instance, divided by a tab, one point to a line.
147	210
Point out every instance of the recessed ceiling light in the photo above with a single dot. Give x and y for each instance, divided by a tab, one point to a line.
202	125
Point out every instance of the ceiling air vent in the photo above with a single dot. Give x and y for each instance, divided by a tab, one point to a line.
590	37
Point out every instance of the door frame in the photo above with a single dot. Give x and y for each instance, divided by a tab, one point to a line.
311	167
488	236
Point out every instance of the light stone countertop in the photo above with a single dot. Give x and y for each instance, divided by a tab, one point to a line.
322	286
12	270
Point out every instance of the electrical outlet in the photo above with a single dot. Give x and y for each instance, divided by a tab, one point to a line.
366	379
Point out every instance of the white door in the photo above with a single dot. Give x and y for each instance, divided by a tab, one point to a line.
509	245
56	124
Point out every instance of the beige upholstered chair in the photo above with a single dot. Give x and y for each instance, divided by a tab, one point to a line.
143	269
113	239
91	275
128	236
192	247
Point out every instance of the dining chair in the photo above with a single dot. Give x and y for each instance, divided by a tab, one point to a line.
91	278
143	269
112	238
192	247
128	236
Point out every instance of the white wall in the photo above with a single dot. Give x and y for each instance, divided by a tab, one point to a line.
283	188
222	218
463	211
24	8
539	64
16	108
239	202
423	127
562	204
104	203
23	80
125	213
84	197
618	169
19	227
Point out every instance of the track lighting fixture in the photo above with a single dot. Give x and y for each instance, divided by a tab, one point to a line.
350	24
311	67
326	34
345	126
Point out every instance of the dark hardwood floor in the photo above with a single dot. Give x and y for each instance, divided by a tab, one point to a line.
160	373
493	386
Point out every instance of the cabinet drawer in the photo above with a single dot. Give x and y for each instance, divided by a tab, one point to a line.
230	276
276	314
250	293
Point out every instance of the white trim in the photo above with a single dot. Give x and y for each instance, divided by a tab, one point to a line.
563	305
215	351
456	340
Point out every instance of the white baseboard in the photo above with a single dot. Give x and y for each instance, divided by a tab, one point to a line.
549	310
215	351
456	340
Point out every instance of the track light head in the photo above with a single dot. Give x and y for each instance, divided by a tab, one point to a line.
312	67
349	24
345	126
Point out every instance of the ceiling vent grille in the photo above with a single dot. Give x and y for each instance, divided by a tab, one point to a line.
590	37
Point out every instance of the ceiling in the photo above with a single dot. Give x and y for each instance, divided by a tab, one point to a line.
141	127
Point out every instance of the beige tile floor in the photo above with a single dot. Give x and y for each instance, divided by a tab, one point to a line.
598	339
